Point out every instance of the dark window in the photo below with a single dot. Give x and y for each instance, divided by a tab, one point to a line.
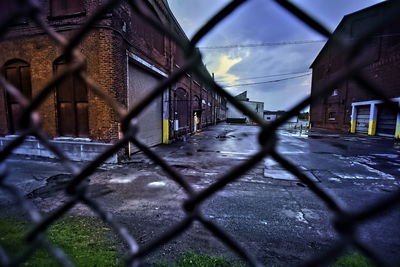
9	10
18	73
157	37
196	103
332	116
64	8
72	105
181	107
179	56
158	41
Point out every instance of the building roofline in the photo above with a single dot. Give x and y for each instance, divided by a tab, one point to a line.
329	41
181	31
259	102
183	34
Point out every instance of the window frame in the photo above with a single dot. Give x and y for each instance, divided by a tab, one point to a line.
81	11
332	115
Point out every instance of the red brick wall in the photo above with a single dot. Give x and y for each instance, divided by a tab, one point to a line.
40	52
105	50
382	57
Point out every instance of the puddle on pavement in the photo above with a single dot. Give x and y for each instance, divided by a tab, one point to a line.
279	174
122	180
295	133
158	184
390	156
206	150
180	166
132	177
238	153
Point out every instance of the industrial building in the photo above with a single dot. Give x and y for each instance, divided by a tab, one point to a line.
349	107
236	116
126	56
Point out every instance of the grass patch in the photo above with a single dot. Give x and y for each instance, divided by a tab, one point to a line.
191	259
353	260
83	239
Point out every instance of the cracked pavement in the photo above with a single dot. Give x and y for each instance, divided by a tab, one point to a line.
270	212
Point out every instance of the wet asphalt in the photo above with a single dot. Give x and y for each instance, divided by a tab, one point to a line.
268	211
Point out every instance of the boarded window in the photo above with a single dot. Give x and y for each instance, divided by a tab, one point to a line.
72	105
64	8
18	73
157	37
141	27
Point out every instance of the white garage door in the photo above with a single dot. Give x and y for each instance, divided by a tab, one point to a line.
362	120
140	85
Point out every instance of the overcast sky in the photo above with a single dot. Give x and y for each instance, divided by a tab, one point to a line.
263	21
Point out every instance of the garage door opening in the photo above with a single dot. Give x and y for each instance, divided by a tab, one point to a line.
140	84
362	119
386	121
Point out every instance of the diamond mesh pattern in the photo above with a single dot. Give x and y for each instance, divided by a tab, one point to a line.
344	222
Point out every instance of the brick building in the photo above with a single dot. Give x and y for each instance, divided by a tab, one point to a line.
125	56
349	107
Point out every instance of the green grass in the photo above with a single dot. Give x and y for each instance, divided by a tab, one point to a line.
86	242
83	239
353	260
191	259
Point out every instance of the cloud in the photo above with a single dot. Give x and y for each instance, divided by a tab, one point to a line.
306	82
195	12
261	21
225	63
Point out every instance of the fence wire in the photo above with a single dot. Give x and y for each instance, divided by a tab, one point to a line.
344	222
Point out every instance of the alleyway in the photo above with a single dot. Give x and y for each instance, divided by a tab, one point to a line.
270	212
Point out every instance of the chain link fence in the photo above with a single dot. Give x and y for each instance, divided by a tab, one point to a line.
344	222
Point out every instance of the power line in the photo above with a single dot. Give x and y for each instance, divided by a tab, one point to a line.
283	43
262	44
272	81
266	76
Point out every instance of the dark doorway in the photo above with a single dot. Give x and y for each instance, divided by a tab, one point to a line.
18	73
72	105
